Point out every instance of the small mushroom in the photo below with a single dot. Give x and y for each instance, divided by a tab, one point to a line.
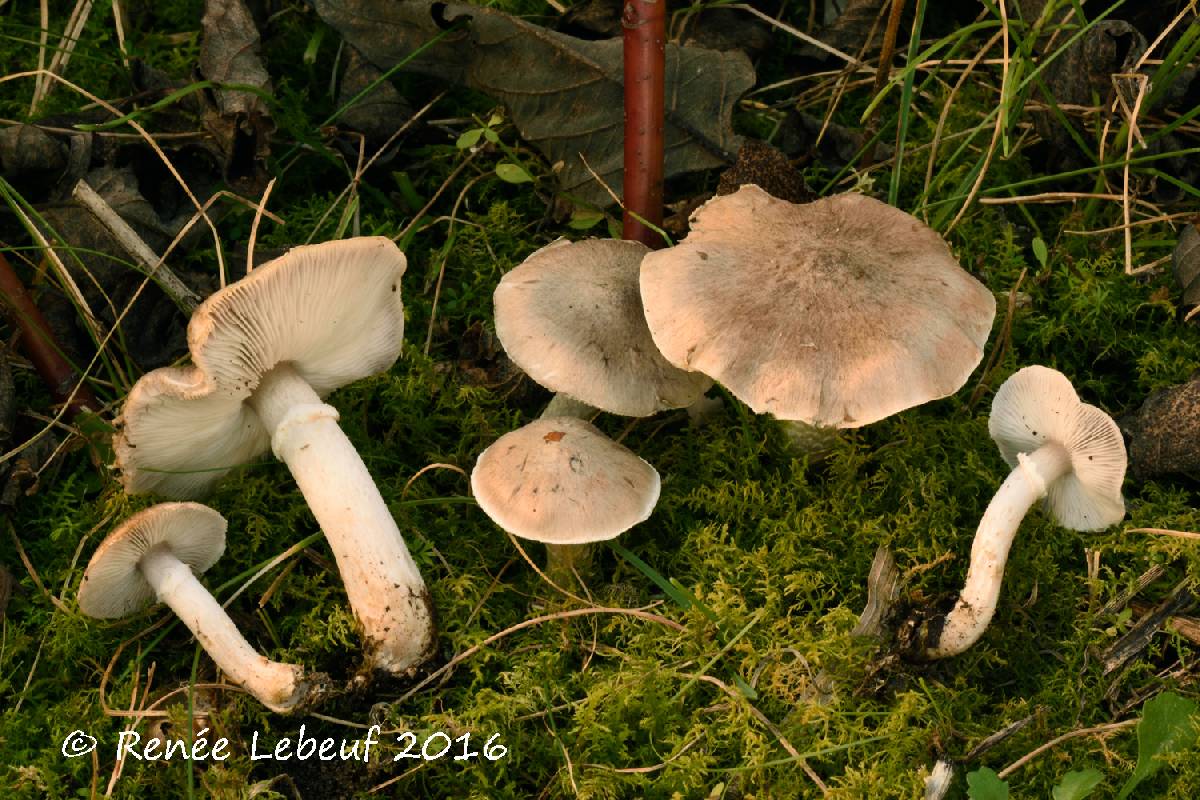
156	554
1067	451
835	313
562	482
266	350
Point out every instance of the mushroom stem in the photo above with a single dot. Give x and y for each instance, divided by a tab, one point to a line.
567	563
382	582
280	687
1024	486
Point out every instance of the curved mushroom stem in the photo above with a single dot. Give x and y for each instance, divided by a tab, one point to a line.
383	584
1024	486
280	687
565	563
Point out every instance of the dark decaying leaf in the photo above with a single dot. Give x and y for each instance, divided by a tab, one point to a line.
564	94
1164	435
810	138
857	29
1185	262
1085	68
154	331
714	28
239	120
377	114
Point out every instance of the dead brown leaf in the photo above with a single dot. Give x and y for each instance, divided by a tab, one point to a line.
564	94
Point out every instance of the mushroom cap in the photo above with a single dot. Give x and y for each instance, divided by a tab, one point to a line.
571	316
113	584
1037	405
837	313
562	481
331	310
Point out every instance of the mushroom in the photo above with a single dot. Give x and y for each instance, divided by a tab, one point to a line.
571	316
156	554
1067	451
266	350
835	313
562	482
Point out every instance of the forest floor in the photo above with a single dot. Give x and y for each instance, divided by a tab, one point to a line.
740	676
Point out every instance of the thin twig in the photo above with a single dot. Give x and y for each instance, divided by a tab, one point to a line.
144	258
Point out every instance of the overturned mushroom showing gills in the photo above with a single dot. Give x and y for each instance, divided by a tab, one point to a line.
156	554
571	316
560	481
266	350
835	313
1067	451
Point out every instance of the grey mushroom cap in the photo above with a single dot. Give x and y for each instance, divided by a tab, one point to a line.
571	316
561	481
1038	405
113	585
332	310
836	313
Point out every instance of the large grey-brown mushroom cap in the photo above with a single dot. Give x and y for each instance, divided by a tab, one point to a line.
837	313
1037	405
571	316
560	480
113	585
332	310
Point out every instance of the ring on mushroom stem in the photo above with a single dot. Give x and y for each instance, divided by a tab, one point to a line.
156	553
1066	451
266	350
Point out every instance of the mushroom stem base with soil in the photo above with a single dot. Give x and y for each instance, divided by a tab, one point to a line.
370	552
280	687
966	622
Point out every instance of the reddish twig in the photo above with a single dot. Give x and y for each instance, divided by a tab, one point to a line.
39	345
645	25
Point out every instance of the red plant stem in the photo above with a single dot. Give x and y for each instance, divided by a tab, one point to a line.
645	26
39	345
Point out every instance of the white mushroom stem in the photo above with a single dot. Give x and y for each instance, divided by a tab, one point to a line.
383	585
278	686
1024	486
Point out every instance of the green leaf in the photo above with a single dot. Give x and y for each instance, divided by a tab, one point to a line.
985	784
1166	727
512	173
491	136
1039	250
468	139
584	219
1077	784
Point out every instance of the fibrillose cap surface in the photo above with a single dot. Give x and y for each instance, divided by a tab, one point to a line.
837	313
331	310
562	481
113	585
571	316
1037	405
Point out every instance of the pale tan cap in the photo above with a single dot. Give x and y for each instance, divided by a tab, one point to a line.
331	310
837	313
1037	405
560	480
571	316
113	584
